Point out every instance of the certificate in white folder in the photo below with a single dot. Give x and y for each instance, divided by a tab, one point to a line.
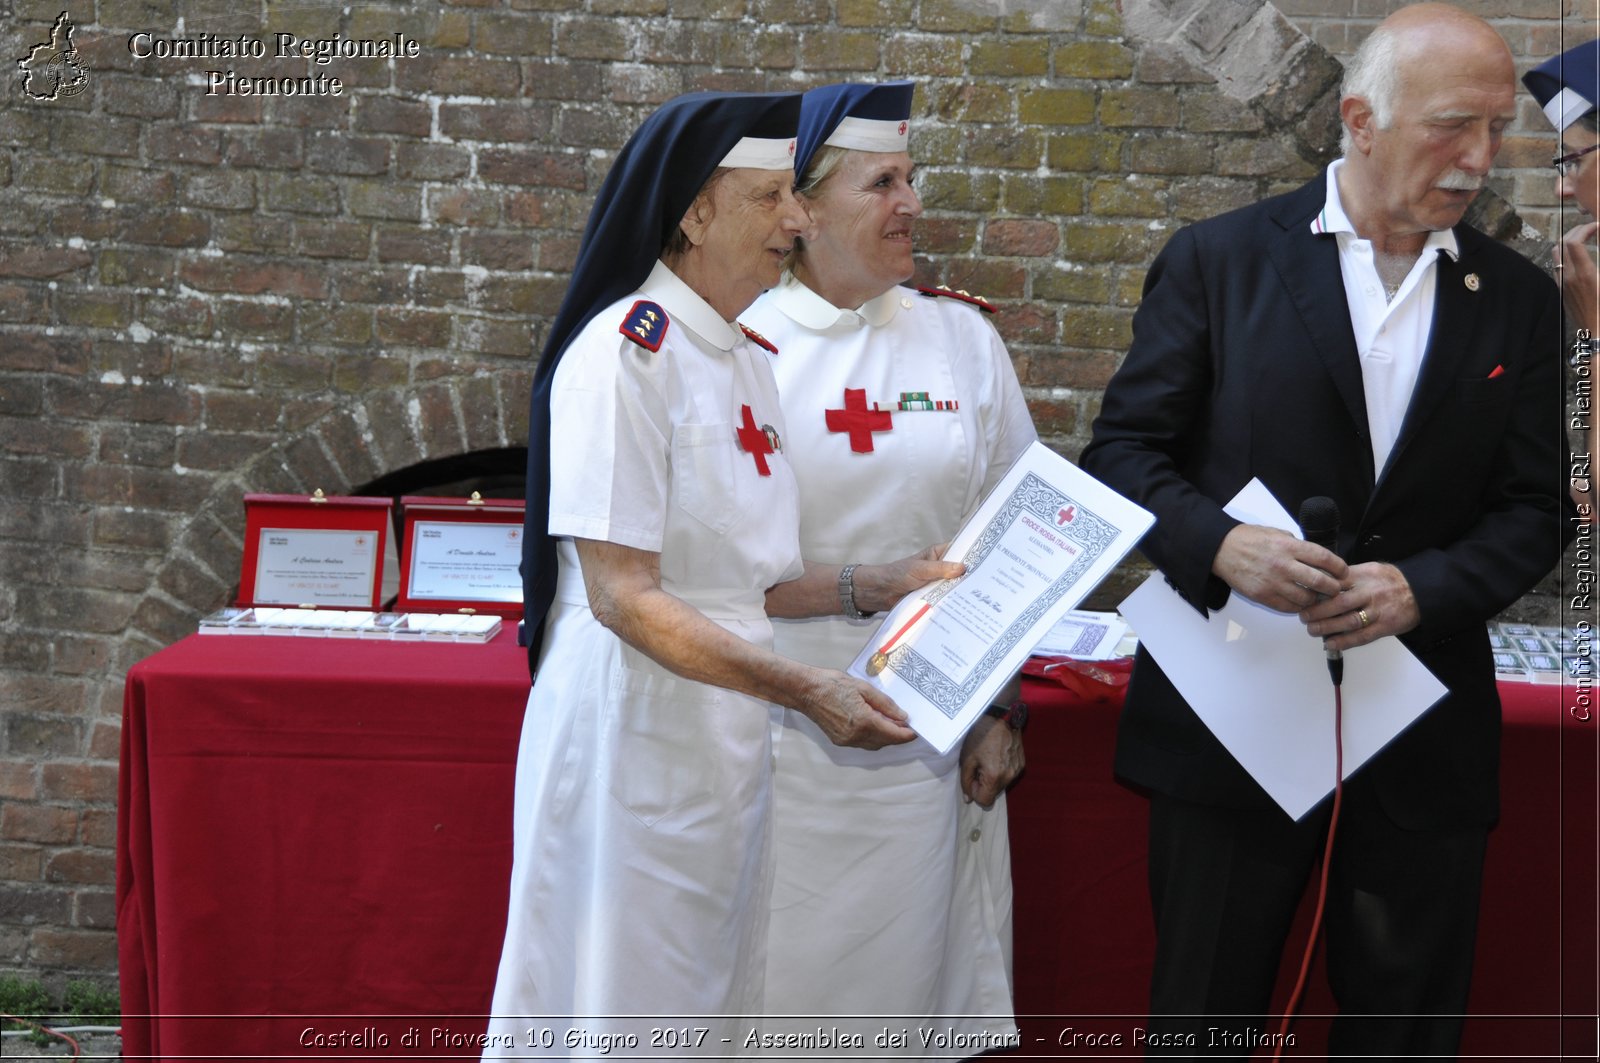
1261	683
1041	541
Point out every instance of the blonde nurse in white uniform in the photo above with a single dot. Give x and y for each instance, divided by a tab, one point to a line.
641	858
892	894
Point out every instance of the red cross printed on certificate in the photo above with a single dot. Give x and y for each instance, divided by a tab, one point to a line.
1066	516
857	420
754	441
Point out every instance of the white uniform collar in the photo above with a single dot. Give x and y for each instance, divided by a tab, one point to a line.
685	307
1333	219
808	308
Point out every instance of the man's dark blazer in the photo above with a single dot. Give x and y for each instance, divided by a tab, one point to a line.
1244	364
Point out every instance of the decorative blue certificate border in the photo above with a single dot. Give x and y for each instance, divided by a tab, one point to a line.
1090	532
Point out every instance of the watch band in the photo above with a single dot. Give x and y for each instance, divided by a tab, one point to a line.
847	594
1015	715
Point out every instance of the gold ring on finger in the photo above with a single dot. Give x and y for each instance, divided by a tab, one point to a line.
1361	615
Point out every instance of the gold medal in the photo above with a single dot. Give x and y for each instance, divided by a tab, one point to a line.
880	659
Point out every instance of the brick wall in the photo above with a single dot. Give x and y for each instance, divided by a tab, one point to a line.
205	294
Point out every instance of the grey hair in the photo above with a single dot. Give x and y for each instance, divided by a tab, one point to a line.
1373	74
677	244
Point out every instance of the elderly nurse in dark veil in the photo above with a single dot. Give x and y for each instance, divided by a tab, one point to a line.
662	528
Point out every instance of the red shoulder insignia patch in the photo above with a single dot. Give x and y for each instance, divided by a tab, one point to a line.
646	325
758	339
963	296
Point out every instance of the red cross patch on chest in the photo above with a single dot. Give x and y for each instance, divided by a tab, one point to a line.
754	440
858	421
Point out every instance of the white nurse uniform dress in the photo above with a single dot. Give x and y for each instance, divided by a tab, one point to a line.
892	895
642	858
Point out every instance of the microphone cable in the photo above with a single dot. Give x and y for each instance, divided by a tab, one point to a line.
1327	861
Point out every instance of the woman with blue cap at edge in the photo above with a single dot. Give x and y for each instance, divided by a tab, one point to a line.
661	528
1567	88
893	887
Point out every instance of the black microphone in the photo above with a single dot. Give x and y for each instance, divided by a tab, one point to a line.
1319	523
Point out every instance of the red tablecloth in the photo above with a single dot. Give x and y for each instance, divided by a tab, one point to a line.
317	829
314	845
1084	936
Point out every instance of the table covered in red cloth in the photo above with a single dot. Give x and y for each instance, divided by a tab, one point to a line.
319	830
314	843
1085	939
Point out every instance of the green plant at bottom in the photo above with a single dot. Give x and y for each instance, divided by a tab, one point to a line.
26	999
87	1004
81	1004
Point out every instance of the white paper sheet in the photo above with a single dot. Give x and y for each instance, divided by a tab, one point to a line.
1041	541
1085	636
1261	683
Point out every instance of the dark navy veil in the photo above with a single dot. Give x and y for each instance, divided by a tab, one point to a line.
652	183
825	107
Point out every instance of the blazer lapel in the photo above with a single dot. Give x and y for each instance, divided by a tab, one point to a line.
1308	265
1455	316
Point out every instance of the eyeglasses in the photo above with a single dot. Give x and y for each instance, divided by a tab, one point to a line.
1565	164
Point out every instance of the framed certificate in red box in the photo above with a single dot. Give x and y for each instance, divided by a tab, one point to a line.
461	554
322	550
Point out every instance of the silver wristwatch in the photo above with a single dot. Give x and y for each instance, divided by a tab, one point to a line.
847	594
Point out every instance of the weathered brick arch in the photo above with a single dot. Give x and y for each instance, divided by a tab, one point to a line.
1254	55
349	443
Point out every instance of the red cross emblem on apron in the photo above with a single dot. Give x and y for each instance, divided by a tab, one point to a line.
858	421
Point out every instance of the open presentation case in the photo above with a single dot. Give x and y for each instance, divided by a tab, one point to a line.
322	550
461	555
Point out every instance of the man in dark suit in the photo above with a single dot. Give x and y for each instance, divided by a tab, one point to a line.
1354	340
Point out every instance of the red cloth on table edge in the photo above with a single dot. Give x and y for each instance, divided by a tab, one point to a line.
314	841
1085	938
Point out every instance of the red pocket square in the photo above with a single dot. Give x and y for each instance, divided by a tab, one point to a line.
1497	371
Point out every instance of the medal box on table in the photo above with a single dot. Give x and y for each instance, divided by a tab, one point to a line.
461	555
1526	653
321	550
351	624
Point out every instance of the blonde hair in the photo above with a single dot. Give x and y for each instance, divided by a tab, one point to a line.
808	185
824	161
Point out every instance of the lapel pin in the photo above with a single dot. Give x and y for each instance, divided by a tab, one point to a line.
1471	281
